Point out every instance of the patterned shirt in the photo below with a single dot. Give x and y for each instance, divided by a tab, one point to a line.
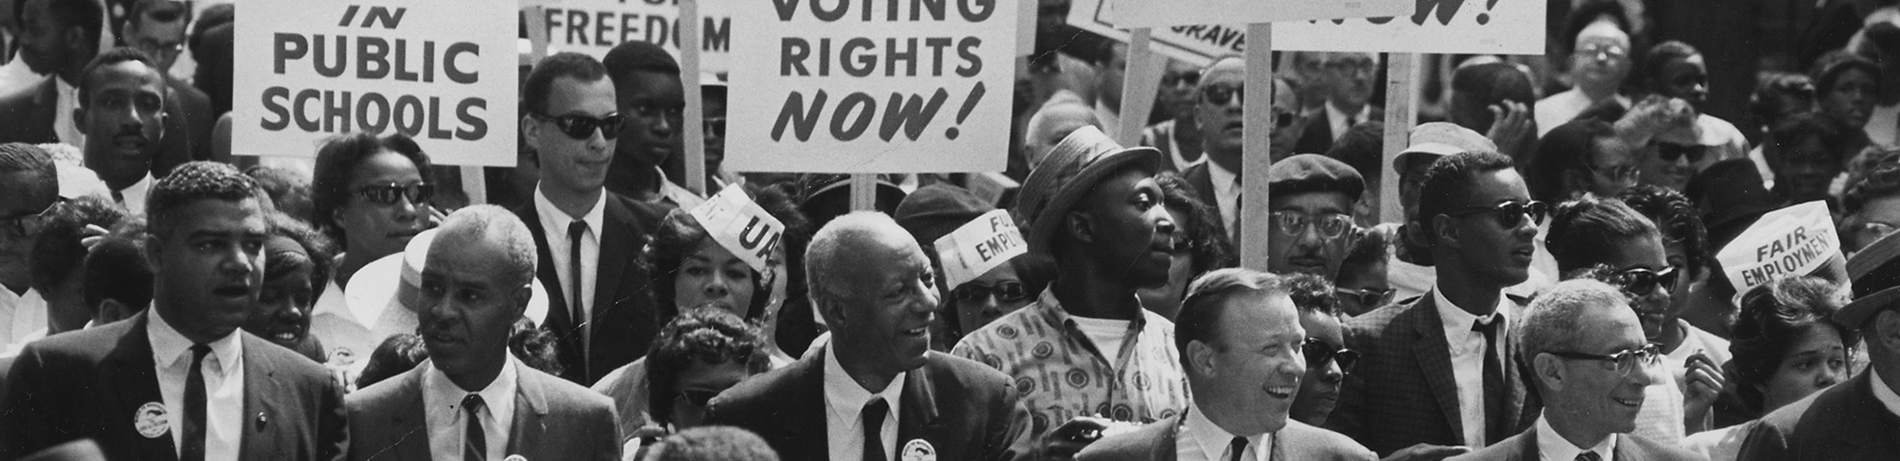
1060	374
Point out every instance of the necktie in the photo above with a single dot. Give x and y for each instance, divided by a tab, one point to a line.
576	310
874	429
118	197
1237	447
194	449
1493	380
1589	456
475	443
1233	233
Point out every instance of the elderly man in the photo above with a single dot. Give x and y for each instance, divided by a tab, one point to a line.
1312	199
29	187
181	379
1216	181
1351	77
1060	115
877	391
1597	35
1854	419
1087	346
1240	338
472	400
1434	370
1590	363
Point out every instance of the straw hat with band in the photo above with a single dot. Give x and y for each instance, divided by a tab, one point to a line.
1875	272
1069	173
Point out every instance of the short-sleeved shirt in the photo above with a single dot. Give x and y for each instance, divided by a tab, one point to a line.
1060	374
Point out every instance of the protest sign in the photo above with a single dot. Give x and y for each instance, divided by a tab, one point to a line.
307	70
979	246
1197	45
1433	26
863	87
741	226
596	26
1161	13
1787	242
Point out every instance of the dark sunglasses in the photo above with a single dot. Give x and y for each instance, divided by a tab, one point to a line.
1004	291
29	224
582	126
1641	282
1318	352
387	194
1181	79
1369	297
1671	151
1220	94
1509	214
697	397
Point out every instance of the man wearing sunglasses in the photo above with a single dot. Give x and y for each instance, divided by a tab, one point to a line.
29	189
587	237
650	101
1178	138
1435	370
472	399
1312	199
1590	363
1241	344
1217	111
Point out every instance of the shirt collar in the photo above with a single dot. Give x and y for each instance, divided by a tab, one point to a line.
1225	182
1052	311
1213	440
1553	446
169	346
680	195
845	397
135	193
556	221
1884	394
1336	116
442	393
1456	319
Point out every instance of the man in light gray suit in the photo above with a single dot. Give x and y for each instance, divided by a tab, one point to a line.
472	400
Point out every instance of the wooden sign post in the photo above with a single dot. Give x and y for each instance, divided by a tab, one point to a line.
1403	73
1139	82
1257	140
694	128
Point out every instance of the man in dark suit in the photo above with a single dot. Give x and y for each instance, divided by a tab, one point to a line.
157	28
472	400
877	392
58	38
1240	340
181	381
1438	370
1857	419
1590	362
1217	108
587	237
1349	103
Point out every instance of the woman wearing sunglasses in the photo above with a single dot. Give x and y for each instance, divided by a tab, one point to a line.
1328	361
1607	240
370	195
1786	347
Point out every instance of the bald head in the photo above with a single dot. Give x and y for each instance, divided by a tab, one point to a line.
833	258
491	231
1054	121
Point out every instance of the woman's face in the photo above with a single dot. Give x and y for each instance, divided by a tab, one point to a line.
1319	388
374	229
1851	100
1677	254
1806	173
710	275
1613	168
1815	361
1653	308
697	384
1686	78
990	291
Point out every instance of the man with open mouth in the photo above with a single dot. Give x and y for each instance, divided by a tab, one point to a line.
122	112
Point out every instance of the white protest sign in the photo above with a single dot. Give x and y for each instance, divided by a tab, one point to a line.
979	246
1434	26
1787	242
309	70
741	226
1160	13
1197	45
841	86
594	27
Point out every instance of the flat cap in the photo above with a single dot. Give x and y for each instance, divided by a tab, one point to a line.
1306	173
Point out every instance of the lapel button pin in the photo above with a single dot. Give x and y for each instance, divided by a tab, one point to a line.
262	420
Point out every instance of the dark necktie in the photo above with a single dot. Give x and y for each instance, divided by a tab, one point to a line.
118	197
1493	380
1237	447
874	429
475	443
194	449
1589	456
576	311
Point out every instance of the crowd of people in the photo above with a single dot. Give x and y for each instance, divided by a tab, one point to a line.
1550	287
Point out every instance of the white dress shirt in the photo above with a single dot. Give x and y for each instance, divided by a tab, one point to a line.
1226	196
77	181
1467	360
1561	108
224	386
554	222
1552	446
448	423
1336	120
63	124
1199	439
1883	124
134	195
15	75
844	415
20	315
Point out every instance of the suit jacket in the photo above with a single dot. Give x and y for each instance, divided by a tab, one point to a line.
1156	442
91	383
625	316
964	409
1317	136
1202	182
1403	392
1844	422
554	419
1523	447
29	113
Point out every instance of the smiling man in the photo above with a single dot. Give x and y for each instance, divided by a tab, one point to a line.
472	400
122	112
877	391
1240	341
1590	364
180	379
587	237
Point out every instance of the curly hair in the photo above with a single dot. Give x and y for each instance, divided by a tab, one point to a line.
193	182
336	163
1581	229
680	235
1676	217
1312	293
318	254
1206	236
709	336
1772	318
57	254
1450	182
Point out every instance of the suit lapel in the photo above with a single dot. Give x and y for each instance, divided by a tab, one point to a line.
808	398
262	394
558	322
1434	359
135	382
615	253
412	421
919	407
1872	436
531	409
1165	451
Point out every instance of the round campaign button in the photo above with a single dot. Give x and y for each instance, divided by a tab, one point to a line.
917	450
150	420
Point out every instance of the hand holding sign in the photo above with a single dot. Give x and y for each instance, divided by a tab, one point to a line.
972	250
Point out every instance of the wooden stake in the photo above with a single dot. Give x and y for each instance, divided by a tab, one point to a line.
537	19
692	121
1403	74
474	184
1257	128
1139	82
863	191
